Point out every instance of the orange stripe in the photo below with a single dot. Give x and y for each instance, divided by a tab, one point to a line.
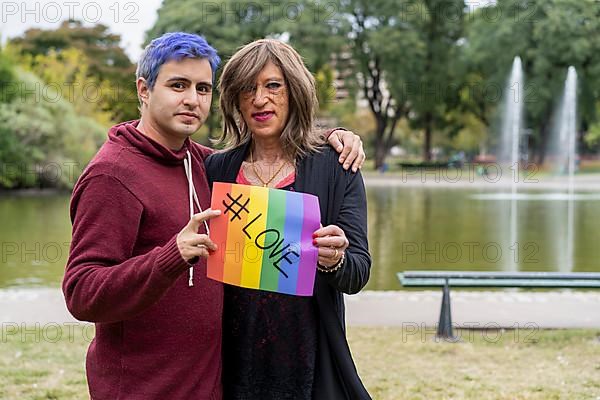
218	232
235	236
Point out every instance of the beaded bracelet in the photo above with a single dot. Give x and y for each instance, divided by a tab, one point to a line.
333	268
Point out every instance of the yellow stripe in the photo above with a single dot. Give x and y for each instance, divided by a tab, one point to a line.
232	267
253	256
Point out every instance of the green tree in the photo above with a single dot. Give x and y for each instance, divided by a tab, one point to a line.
108	63
439	32
44	142
7	77
68	73
402	52
549	36
324	85
380	83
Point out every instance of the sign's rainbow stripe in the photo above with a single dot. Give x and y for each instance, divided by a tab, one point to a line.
265	238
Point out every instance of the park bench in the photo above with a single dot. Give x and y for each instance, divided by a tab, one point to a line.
447	279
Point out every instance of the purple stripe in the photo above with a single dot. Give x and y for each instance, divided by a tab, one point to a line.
308	261
294	215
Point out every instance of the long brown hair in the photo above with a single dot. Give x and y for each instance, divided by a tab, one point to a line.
298	136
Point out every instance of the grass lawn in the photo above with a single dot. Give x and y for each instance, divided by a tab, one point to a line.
526	364
47	363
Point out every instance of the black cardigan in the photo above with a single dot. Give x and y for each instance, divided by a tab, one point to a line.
342	202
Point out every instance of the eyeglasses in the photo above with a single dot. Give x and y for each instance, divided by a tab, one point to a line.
272	88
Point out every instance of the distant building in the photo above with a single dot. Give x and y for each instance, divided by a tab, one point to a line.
342	66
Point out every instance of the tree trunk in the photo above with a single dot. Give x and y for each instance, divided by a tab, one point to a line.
380	144
427	139
380	154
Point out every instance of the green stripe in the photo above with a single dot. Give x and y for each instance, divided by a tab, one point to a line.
269	277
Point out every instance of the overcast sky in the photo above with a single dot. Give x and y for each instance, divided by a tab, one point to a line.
129	18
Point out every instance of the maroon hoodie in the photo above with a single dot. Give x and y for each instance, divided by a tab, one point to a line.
156	336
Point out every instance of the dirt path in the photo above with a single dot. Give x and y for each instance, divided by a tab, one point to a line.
505	308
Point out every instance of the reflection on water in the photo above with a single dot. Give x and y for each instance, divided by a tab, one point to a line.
463	229
409	228
34	235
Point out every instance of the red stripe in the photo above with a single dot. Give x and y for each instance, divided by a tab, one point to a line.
218	229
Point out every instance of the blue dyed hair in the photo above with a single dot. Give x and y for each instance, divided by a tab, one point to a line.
174	46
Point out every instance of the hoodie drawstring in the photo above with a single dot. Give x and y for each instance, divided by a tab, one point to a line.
193	198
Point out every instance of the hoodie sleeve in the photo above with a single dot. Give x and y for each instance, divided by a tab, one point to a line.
103	282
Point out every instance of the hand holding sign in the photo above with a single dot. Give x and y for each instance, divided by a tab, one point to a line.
265	238
331	241
192	244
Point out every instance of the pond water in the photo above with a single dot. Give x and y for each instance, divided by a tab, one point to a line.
409	228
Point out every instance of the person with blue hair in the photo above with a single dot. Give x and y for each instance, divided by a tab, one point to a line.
137	260
174	46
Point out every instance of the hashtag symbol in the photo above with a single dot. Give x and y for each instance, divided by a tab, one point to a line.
235	203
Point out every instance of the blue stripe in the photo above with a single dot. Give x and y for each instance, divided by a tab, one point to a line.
292	233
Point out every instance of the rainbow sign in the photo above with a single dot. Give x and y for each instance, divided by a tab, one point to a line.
265	238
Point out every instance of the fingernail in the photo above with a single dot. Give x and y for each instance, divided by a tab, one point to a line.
354	169
315	235
314	242
346	166
342	159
